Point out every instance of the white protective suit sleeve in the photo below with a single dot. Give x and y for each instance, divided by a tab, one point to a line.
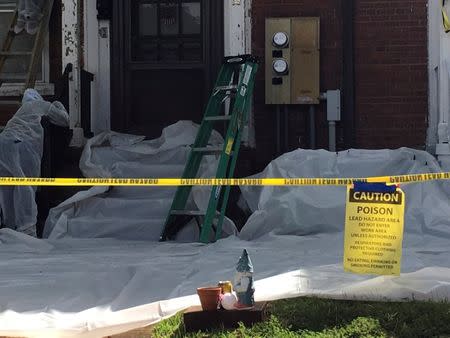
21	148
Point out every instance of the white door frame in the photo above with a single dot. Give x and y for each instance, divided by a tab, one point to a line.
97	60
71	48
238	40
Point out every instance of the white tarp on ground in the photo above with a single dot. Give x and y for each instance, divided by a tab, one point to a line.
21	146
314	210
68	286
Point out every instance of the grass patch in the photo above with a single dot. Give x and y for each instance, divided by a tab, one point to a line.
409	319
317	318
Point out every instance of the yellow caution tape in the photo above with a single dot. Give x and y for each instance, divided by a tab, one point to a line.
445	18
172	182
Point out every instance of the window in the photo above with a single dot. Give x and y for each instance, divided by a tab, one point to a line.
167	31
15	69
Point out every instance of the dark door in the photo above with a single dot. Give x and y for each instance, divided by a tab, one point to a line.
165	57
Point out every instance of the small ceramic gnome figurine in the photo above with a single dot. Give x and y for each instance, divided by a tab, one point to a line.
243	283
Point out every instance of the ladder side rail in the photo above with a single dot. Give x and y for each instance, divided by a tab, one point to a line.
227	190
39	45
7	42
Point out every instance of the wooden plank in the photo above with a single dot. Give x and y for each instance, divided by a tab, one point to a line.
6	45
39	45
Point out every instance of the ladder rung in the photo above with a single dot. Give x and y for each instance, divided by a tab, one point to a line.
15	54
190	213
218	118
208	150
10	103
225	88
18	78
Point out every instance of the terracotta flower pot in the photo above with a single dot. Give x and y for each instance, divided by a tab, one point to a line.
210	298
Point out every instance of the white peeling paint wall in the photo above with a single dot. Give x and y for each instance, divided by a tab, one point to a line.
237	22
71	19
97	61
238	40
439	83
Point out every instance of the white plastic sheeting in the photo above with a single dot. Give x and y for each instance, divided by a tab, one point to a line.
311	210
92	287
99	287
21	145
127	212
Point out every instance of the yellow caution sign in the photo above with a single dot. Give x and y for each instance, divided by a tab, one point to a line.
374	232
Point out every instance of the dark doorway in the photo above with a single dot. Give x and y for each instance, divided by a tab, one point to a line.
165	57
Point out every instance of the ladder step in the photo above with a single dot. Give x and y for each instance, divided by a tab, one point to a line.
10	103
18	78
208	150
218	118
15	54
190	213
226	88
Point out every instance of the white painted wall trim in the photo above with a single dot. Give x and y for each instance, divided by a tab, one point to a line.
236	27
71	54
97	61
238	40
433	79
439	83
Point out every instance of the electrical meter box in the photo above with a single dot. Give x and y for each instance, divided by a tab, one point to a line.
292	60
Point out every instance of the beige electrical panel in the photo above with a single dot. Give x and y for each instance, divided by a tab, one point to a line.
292	60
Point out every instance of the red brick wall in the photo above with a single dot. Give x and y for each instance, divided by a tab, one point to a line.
391	56
390	72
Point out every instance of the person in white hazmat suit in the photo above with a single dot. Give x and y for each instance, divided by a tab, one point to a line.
29	15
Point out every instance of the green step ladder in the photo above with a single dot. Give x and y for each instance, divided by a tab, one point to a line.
235	85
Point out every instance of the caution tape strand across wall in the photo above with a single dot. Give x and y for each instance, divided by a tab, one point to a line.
168	182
